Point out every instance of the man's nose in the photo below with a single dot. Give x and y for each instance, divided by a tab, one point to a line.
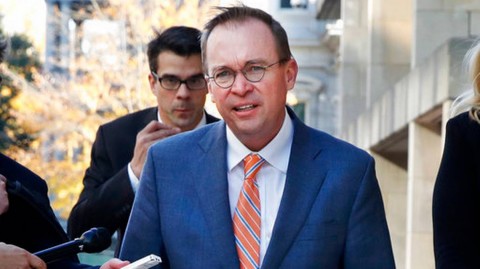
241	85
183	91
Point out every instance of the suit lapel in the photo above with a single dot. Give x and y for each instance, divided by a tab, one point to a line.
301	188
212	188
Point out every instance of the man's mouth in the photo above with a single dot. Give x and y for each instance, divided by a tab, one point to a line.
244	108
181	109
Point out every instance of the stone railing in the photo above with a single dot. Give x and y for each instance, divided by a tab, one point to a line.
440	77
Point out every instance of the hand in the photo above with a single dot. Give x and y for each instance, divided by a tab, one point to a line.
3	195
152	133
14	257
114	264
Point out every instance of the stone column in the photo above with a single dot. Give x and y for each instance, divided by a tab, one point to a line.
393	184
424	154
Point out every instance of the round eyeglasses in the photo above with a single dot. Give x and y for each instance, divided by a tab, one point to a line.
172	83
225	77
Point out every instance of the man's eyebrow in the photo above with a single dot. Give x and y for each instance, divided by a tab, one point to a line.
249	62
166	74
196	75
215	68
255	61
176	75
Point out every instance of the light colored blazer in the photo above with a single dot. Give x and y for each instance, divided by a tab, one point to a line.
331	214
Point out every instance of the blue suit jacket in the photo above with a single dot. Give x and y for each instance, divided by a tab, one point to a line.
331	214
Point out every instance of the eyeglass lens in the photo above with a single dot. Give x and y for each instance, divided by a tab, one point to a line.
196	82
225	77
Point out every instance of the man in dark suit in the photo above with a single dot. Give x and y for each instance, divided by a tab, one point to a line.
307	200
27	221
120	147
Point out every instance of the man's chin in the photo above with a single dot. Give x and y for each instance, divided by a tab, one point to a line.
184	124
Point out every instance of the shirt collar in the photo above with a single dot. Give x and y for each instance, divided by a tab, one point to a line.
276	153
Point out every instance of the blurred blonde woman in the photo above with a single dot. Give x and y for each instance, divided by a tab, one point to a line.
456	196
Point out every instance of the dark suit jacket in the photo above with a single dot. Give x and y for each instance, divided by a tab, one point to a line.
456	197
107	197
331	214
30	222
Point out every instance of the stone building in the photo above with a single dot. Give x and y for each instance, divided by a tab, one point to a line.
400	68
71	30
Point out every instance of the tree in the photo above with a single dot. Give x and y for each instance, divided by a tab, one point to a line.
65	114
22	59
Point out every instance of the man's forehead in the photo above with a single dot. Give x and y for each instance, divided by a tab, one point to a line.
171	63
240	42
249	32
234	24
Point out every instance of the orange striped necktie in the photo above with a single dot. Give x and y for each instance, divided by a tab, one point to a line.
246	219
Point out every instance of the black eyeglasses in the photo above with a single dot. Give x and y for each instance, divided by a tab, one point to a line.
225	77
172	83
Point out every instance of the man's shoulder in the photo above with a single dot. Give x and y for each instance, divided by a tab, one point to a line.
141	117
211	118
337	146
205	135
209	131
15	171
317	140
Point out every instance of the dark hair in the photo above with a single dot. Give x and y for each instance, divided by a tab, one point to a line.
182	40
241	14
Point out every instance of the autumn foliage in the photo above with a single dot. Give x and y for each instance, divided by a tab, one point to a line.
63	114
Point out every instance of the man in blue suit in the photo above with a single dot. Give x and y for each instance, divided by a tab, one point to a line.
314	202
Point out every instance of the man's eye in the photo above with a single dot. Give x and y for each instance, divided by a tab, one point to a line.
223	74
196	79
170	80
254	69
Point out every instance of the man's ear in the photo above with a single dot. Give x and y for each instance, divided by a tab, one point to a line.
291	73
151	81
210	91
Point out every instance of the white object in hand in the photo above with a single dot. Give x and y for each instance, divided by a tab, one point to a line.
145	262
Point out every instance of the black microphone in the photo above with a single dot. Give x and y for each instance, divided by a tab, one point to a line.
91	241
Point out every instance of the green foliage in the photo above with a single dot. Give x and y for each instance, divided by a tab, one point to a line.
21	58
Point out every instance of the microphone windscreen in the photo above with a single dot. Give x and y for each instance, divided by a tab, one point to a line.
96	240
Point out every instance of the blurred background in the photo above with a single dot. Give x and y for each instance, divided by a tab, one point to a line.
380	74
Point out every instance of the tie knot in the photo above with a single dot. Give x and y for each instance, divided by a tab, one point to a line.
252	164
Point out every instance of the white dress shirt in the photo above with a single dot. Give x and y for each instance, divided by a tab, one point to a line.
133	179
271	177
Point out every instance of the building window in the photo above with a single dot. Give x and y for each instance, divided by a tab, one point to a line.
294	3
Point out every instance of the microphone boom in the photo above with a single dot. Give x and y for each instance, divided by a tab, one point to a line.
93	240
